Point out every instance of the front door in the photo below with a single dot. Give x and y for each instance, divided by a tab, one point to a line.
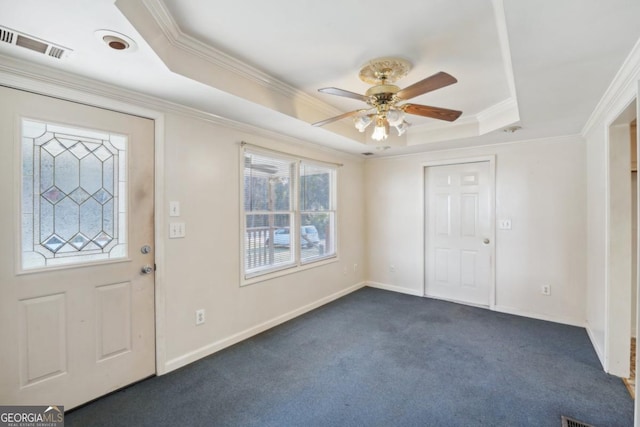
458	226
76	303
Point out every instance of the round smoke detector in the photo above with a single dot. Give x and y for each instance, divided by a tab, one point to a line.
116	41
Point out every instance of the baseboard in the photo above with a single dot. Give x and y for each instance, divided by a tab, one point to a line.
562	320
498	308
214	347
596	346
393	288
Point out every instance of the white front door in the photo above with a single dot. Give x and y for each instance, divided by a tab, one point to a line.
77	311
458	232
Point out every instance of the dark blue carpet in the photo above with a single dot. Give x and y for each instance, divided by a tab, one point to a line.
377	358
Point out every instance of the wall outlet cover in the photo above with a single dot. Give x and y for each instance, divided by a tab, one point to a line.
200	316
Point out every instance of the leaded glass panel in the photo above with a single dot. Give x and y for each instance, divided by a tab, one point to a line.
73	195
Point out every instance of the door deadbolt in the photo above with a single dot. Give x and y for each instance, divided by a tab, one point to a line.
146	249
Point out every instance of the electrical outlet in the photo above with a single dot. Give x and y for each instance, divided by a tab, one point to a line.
392	268
355	268
345	271
546	290
200	316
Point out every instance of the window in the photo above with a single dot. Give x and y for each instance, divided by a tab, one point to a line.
73	195
289	212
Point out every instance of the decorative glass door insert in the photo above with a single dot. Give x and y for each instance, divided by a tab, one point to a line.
73	195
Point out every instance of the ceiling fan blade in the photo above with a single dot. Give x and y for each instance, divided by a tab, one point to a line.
433	112
345	93
336	118
437	81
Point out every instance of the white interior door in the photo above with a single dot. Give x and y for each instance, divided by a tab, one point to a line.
458	232
77	312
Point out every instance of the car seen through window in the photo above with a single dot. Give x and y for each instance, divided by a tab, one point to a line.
308	237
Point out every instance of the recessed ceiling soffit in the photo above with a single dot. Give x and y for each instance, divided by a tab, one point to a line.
191	58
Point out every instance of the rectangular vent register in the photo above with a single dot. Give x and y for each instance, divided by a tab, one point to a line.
16	38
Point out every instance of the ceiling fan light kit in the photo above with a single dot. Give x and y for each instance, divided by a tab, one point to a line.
381	131
362	122
384	97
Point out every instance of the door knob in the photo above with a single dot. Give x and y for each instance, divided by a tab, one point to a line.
486	241
147	269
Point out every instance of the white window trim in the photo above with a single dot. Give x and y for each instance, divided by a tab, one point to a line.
271	272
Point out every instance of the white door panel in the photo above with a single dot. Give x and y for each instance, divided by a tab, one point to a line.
457	222
77	314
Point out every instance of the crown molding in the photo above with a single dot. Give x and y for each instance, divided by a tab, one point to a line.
40	79
492	118
178	39
499	115
621	91
47	81
491	147
464	127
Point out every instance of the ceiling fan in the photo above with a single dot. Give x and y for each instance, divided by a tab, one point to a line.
385	98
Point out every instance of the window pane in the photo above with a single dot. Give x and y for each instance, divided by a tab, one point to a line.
317	238
267	243
267	183
316	183
273	237
69	199
317	215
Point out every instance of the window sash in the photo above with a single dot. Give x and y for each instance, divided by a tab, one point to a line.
272	246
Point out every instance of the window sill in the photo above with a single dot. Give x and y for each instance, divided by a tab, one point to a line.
287	270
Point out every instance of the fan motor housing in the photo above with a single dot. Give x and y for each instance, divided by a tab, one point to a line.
382	89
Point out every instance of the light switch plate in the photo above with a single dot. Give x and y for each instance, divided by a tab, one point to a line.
174	208
177	230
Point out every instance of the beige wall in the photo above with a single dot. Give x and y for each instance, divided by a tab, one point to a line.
540	186
201	171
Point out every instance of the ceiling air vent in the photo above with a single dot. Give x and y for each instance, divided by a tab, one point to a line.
56	52
7	35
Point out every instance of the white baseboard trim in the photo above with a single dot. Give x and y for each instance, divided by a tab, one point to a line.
393	288
216	346
563	320
498	308
595	345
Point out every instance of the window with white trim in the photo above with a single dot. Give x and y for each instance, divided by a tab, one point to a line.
289	212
